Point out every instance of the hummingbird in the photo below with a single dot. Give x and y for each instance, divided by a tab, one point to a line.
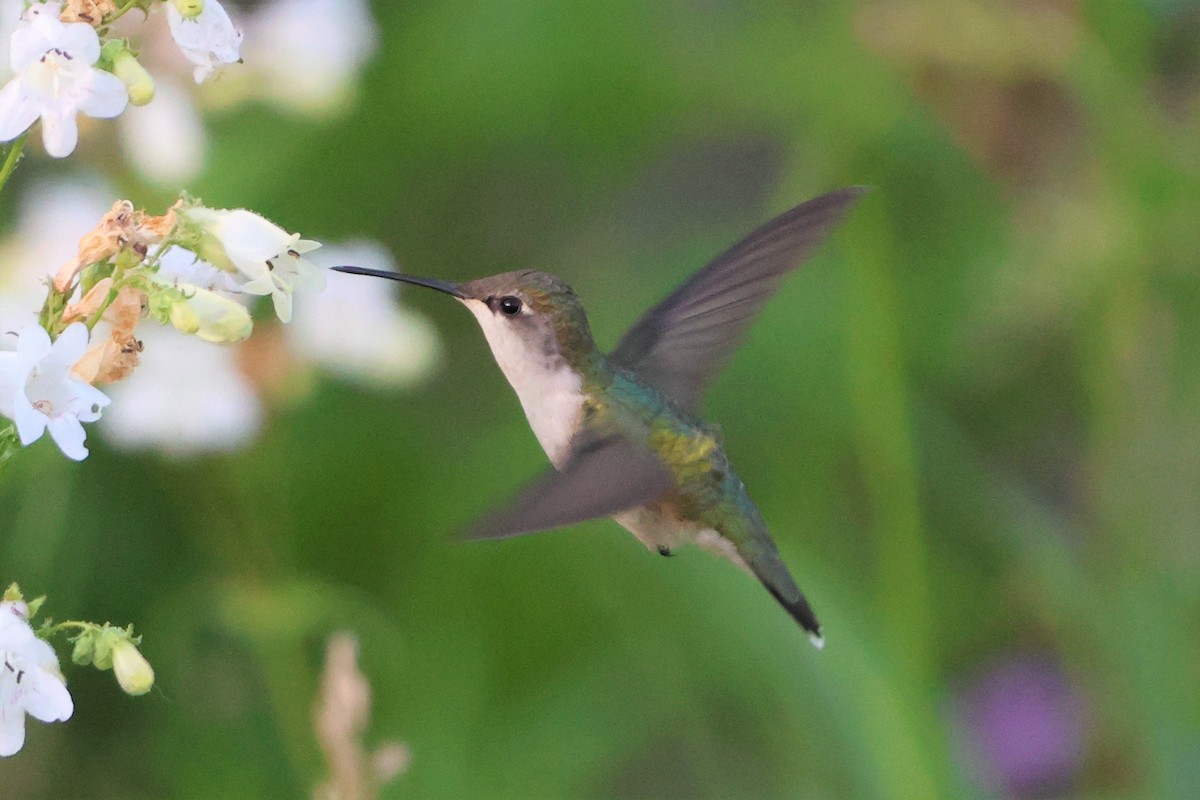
622	430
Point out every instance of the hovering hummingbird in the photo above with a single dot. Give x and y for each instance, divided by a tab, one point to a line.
621	429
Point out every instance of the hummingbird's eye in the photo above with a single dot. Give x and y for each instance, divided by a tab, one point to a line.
509	306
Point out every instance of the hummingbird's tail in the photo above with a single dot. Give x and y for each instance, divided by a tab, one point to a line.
802	612
768	567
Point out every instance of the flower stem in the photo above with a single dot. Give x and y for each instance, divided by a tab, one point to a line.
120	12
12	157
108	301
46	631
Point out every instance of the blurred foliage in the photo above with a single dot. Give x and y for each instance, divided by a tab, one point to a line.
973	421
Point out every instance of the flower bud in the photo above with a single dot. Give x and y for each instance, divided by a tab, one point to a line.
188	9
210	249
133	671
137	80
102	649
85	649
184	317
210	316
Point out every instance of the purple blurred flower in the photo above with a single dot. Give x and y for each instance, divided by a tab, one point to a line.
1023	726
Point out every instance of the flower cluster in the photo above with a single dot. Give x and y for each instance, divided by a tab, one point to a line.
186	268
194	269
188	399
31	682
63	63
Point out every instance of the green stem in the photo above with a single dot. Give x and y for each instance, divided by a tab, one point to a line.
108	301
169	241
11	159
120	12
119	282
51	630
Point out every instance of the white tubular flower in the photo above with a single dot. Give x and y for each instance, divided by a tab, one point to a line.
38	391
180	265
266	258
208	38
30	681
56	79
286	273
237	240
194	308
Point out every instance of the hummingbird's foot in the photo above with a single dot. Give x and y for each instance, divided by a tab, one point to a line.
665	551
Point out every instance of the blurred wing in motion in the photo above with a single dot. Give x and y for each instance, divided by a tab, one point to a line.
604	476
682	342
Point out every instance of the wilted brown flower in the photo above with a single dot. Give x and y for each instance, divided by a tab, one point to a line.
114	358
89	304
121	227
154	229
92	12
106	240
340	717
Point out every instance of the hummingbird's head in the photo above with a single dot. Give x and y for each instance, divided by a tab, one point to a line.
537	308
530	319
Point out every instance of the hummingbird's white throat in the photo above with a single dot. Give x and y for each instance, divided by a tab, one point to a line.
549	390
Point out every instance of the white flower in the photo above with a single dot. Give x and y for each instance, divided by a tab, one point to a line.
30	681
266	258
38	391
358	332
208	39
194	307
186	398
180	265
55	80
286	273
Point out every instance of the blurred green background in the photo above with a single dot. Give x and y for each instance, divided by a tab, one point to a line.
973	423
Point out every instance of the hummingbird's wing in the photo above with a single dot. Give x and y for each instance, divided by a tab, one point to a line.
604	475
682	342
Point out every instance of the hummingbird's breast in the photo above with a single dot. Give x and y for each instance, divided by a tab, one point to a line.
550	391
553	400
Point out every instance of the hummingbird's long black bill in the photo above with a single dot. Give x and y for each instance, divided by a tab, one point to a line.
432	283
